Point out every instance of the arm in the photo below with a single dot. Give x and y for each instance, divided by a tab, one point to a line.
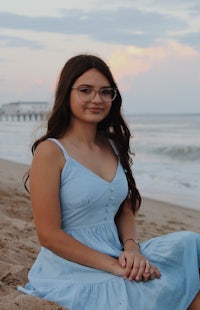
45	173
136	265
125	222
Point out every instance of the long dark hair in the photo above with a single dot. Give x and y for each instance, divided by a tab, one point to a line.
113	126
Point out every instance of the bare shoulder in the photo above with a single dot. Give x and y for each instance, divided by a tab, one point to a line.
47	147
49	151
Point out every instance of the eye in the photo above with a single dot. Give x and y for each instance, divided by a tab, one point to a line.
106	91
85	90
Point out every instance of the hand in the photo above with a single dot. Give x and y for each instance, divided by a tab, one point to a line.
152	274
137	267
116	268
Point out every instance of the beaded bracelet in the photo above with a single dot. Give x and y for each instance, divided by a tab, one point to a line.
134	240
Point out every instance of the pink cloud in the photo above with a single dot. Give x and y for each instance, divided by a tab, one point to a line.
132	61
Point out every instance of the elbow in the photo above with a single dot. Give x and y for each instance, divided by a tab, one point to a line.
46	238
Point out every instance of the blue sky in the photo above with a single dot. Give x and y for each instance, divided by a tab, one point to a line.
152	48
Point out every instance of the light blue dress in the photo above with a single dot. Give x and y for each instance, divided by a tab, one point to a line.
89	205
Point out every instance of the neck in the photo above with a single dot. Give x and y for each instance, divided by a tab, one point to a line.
86	134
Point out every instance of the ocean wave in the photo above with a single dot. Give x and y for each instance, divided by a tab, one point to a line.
186	152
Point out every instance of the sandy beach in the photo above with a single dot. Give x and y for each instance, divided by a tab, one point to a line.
19	245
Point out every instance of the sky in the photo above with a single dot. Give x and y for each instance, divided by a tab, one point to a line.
151	46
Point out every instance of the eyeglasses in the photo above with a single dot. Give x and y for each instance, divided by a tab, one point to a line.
88	93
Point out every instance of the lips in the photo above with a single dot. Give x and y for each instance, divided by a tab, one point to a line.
95	109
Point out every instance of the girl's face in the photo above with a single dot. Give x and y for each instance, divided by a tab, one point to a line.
86	103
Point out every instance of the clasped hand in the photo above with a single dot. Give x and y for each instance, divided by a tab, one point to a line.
137	267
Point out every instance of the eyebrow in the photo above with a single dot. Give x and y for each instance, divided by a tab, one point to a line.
88	85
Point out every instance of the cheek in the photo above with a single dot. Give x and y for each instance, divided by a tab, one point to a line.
74	103
77	108
109	107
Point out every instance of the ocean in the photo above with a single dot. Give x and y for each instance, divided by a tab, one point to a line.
166	164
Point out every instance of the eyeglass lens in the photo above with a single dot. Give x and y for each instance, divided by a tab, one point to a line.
88	93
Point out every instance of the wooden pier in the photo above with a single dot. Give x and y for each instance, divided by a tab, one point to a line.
25	111
23	117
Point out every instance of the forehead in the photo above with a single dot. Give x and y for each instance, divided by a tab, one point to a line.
92	77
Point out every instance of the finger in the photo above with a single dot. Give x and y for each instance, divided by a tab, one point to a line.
146	273
137	270
145	277
122	261
154	273
157	272
147	268
129	266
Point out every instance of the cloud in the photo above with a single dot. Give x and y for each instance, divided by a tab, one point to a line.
14	41
167	81
132	61
192	39
122	25
146	43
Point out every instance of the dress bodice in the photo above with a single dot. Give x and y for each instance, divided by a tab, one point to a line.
87	199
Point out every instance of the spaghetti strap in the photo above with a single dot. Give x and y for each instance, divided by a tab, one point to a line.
60	146
112	143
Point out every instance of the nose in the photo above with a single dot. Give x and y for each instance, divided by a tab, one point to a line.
96	98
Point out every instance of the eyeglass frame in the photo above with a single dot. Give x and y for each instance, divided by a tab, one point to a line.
96	92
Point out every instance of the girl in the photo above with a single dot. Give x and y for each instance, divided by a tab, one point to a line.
84	201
